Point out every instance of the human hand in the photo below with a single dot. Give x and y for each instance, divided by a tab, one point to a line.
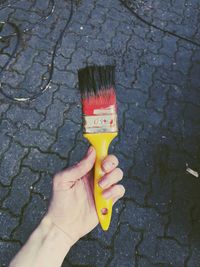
72	207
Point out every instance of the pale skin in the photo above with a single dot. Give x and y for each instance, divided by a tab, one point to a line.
71	213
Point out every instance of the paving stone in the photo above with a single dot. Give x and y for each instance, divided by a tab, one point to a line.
68	95
145	263
39	161
169	46
126	164
148	246
6	127
24	116
129	140
144	219
180	223
66	263
10	163
79	56
45	99
135	190
54	116
64	78
3	108
20	191
31	218
78	153
5	142
44	185
161	193
195	253
7	251
170	251
124	247
84	252
75	114
8	223
25	60
33	138
3	192
65	139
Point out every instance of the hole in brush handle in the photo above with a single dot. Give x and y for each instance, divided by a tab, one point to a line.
104	211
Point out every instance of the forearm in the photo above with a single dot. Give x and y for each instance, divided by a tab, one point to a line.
47	247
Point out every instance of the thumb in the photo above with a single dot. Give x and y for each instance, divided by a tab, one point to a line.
82	168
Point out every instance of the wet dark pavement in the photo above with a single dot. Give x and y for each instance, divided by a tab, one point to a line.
156	48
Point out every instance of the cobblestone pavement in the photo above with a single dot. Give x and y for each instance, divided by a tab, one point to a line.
156	48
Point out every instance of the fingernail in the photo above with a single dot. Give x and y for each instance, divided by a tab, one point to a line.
103	183
90	150
107	165
107	194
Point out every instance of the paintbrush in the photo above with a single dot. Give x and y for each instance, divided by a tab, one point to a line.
97	87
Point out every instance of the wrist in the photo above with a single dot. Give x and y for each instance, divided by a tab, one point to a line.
53	245
46	247
53	234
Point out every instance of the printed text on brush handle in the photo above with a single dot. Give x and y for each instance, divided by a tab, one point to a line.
98	123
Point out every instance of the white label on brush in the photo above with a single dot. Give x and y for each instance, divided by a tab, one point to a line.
109	110
100	123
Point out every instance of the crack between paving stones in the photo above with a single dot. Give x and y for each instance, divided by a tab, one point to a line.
124	3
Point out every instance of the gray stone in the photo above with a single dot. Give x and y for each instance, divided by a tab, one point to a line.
8	250
83	252
3	192
32	215
180	223
39	161
54	116
145	263
10	163
144	219
124	247
65	138
5	142
44	185
169	251
135	190
45	99
20	191
66	78
8	223
78	152
74	114
34	138
68	95
24	116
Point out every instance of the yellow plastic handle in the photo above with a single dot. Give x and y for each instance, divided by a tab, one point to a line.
101	142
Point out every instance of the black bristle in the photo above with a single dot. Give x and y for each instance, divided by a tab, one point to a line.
94	79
